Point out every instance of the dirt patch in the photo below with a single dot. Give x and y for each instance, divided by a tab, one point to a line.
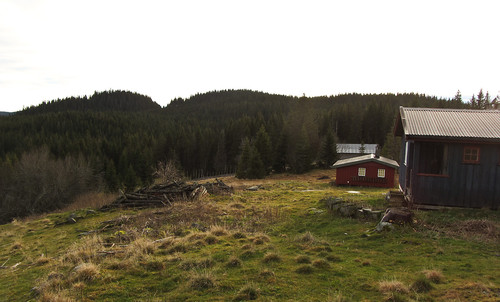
481	230
484	230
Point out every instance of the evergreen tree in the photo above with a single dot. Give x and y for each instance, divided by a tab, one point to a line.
256	168
302	155
244	161
480	99
391	147
264	148
362	148
280	159
328	152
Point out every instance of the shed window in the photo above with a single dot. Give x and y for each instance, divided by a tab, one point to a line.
433	159
471	155
381	173
361	171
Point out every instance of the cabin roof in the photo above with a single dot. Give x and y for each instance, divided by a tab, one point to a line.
364	159
482	125
354	148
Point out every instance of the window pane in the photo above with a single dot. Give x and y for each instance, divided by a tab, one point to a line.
381	173
361	171
433	159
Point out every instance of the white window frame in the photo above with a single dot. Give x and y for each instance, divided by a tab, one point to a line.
361	171
381	173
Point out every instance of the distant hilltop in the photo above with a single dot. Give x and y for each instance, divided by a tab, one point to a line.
2	113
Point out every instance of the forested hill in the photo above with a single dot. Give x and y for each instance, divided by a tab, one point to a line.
113	100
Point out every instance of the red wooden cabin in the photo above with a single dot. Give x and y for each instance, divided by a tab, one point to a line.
367	171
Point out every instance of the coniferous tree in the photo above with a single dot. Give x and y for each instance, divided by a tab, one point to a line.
244	161
362	148
256	169
328	152
264	148
280	159
302	154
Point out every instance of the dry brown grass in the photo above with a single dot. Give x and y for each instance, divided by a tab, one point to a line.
42	260
140	247
202	280
321	263
271	257
85	272
434	275
306	238
54	297
84	251
94	200
392	286
218	230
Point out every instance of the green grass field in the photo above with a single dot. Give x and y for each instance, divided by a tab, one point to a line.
276	244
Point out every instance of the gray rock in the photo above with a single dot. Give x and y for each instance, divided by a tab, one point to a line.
384	226
253	188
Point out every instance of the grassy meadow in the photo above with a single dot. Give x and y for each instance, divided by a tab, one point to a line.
276	244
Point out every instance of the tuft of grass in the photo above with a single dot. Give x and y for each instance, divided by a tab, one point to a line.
202	280
248	292
321	263
85	272
304	269
392	286
333	258
233	262
54	297
84	251
271	257
306	238
434	275
16	246
261	239
239	235
218	230
140	247
211	239
153	264
42	260
267	273
303	259
421	285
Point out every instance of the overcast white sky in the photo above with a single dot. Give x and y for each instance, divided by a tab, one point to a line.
168	49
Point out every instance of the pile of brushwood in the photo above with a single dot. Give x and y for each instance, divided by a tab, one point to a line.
165	194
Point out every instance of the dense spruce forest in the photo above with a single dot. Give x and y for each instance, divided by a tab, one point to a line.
117	138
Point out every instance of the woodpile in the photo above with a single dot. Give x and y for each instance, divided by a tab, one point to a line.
165	194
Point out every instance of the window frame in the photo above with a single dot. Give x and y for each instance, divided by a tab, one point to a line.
381	175
477	159
361	169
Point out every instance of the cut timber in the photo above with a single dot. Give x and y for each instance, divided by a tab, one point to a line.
164	194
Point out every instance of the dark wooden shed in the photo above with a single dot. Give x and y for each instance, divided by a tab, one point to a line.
450	157
366	170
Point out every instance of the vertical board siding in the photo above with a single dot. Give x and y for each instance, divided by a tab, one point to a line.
467	185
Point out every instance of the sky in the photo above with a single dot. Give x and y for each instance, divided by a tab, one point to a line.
169	49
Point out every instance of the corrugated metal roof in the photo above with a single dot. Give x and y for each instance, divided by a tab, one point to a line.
451	123
363	159
354	148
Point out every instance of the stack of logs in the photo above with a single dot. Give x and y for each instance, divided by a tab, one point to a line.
164	194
